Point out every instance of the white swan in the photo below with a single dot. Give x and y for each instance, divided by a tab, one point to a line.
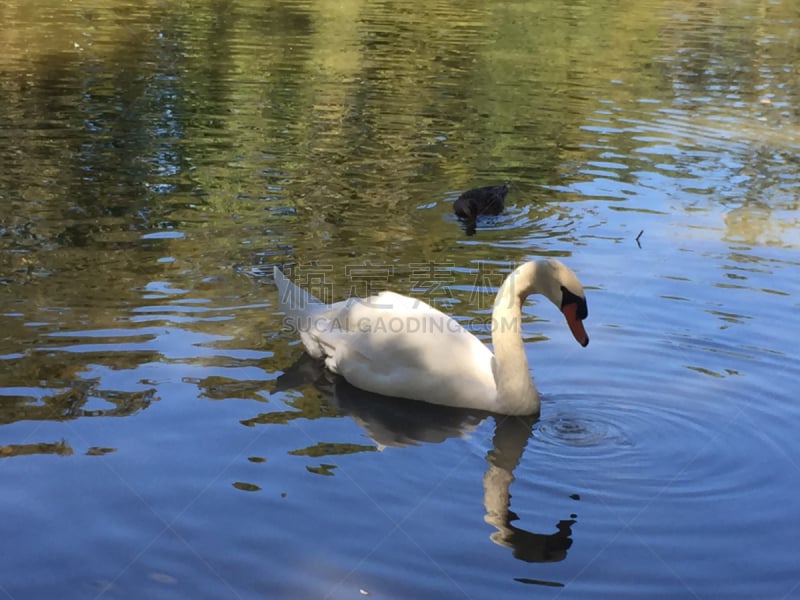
400	346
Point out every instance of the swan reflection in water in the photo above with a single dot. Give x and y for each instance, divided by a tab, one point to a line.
399	422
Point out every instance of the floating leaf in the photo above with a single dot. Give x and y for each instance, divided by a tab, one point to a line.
99	450
323	469
246	487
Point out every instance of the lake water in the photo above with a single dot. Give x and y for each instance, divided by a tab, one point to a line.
161	434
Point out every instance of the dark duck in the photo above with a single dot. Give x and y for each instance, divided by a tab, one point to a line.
488	200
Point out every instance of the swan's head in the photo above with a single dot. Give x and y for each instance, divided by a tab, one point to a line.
559	284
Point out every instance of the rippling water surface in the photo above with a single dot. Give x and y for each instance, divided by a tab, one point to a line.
163	436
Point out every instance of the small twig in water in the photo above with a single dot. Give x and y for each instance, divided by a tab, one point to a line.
637	238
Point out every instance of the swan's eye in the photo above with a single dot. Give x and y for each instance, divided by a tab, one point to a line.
568	297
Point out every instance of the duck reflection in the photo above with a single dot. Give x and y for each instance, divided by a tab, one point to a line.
399	422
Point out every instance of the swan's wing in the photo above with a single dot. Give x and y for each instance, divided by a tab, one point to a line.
294	301
305	314
400	346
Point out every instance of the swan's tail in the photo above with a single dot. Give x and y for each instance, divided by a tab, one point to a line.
298	304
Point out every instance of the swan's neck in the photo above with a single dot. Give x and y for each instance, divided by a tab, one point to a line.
516	393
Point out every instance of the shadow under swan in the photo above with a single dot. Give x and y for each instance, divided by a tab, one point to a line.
400	422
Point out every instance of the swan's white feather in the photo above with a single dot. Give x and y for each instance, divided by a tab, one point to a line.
396	346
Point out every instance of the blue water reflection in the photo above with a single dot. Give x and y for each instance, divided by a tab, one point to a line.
163	435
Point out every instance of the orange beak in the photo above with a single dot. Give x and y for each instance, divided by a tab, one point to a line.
575	324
